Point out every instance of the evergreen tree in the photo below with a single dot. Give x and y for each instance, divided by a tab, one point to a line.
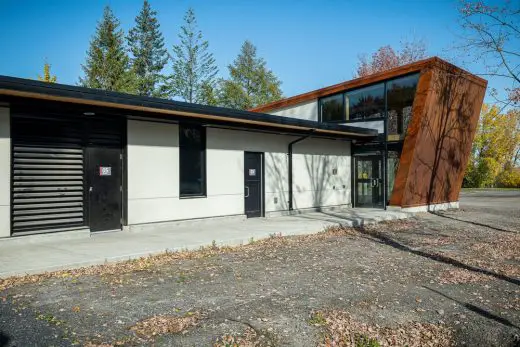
47	77
107	65
194	69
146	43
251	83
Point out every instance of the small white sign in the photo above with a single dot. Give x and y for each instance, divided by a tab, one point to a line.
105	171
252	172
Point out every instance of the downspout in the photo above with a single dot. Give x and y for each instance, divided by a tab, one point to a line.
290	174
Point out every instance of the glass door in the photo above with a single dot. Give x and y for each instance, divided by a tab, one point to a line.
369	182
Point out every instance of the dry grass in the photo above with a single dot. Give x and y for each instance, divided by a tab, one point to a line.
343	331
160	325
458	276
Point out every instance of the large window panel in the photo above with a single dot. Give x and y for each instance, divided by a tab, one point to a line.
333	108
192	160
366	103
400	96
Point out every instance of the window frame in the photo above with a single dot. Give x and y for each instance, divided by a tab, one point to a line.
203	151
320	109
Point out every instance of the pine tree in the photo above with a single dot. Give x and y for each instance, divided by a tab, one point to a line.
251	83
194	69
146	43
47	77
107	65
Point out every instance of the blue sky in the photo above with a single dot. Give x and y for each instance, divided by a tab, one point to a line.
308	44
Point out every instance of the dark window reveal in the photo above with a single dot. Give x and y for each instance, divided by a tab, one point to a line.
192	160
368	102
332	108
400	94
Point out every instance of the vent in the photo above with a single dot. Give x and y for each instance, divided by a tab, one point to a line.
48	175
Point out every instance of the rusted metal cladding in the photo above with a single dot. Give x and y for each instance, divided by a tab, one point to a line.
439	138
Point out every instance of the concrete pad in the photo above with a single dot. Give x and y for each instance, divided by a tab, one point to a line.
54	253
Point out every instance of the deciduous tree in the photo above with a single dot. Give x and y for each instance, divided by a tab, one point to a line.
386	58
491	35
47	76
107	65
194	69
149	56
250	83
495	147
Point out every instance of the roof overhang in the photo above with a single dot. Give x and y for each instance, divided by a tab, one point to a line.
418	66
11	87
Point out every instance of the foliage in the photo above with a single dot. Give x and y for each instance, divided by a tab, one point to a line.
491	34
251	83
386	58
47	77
194	68
363	340
107	65
509	178
495	149
146	44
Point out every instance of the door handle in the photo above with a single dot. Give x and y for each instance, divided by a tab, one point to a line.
247	196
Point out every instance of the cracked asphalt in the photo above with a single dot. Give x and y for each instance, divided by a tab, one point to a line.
458	268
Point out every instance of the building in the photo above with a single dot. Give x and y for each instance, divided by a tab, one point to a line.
74	158
426	115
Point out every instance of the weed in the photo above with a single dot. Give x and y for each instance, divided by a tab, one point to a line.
49	318
182	278
363	340
317	319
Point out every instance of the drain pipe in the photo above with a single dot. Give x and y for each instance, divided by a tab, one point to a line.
290	175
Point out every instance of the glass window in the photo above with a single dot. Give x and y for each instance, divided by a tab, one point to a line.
368	102
400	95
332	108
192	160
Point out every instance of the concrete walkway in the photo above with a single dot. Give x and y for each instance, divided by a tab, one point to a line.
36	254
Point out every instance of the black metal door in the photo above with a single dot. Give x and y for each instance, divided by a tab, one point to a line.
369	182
104	172
253	184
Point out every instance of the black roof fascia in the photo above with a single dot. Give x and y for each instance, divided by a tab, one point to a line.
63	90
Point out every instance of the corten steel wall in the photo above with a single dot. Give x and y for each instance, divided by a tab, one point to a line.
439	138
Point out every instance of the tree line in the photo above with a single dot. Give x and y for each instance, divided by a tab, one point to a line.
135	63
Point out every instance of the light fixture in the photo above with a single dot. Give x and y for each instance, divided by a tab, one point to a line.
89	113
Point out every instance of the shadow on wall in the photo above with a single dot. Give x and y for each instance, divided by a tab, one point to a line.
277	185
444	139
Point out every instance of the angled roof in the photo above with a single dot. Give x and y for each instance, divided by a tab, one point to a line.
155	107
362	81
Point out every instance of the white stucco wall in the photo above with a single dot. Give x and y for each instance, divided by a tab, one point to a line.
153	173
5	172
306	110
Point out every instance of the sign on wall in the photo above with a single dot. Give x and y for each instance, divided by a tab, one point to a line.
252	172
105	171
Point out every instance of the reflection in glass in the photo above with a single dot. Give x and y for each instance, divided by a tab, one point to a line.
391	170
192	160
368	102
400	95
332	108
